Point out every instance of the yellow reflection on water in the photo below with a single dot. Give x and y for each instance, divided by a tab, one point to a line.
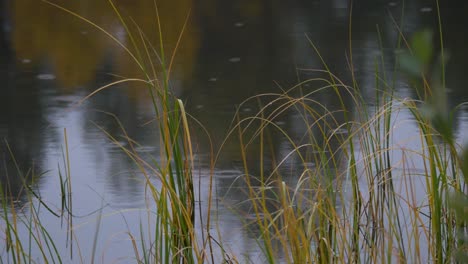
71	49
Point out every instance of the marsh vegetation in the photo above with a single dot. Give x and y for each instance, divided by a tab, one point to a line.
359	157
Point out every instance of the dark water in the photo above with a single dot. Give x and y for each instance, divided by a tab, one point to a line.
50	60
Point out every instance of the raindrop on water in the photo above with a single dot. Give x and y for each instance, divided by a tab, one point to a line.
45	76
280	123
426	9
234	59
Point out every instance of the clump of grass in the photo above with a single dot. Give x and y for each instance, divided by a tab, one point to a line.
358	204
174	239
22	228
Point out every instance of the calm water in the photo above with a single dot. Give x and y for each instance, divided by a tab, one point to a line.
49	60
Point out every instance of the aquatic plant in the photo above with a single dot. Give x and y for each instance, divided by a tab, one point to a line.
363	200
355	198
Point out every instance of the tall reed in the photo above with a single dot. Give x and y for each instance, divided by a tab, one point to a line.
174	238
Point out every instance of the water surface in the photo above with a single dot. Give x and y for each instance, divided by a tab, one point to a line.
50	60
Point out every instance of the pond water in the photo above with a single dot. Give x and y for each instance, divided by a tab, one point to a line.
50	60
